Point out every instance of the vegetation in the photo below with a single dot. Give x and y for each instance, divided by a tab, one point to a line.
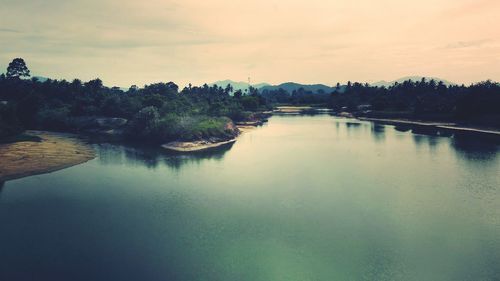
9	124
297	97
18	69
19	138
162	112
478	104
156	112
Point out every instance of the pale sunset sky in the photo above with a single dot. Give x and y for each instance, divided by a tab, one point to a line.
315	41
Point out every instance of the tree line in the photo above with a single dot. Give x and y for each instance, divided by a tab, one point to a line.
163	111
477	104
156	108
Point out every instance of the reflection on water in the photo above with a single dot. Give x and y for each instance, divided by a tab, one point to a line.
151	157
428	141
300	198
402	128
353	124
378	132
475	148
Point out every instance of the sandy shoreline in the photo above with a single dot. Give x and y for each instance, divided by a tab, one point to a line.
202	145
56	151
291	109
195	145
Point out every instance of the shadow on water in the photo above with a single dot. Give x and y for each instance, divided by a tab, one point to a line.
351	125
176	159
475	147
352	129
402	128
470	146
421	140
378	132
151	157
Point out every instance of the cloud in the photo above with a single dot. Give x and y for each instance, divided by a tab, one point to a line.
472	8
136	42
9	30
469	44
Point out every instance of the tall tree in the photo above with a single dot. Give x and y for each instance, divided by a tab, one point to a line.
18	69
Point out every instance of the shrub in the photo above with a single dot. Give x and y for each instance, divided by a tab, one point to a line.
202	127
144	125
9	124
53	118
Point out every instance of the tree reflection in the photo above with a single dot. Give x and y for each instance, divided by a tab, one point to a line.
468	145
476	146
425	139
352	125
176	159
378	132
402	128
2	184
152	157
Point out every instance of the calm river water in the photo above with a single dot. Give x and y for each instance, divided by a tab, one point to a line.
301	198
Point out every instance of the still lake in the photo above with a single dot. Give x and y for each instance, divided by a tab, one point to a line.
300	198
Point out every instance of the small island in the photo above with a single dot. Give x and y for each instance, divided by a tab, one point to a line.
195	145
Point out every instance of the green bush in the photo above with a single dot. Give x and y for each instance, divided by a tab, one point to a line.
201	127
9	124
144	125
53	118
148	126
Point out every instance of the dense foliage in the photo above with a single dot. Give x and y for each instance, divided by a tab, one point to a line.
9	124
477	104
157	111
162	112
426	100
297	97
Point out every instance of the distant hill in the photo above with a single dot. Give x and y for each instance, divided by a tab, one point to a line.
291	86
41	78
238	85
413	78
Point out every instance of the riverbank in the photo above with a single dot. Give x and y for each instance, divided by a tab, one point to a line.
196	145
54	152
451	127
236	129
202	145
291	109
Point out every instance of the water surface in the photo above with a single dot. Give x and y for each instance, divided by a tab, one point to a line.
301	198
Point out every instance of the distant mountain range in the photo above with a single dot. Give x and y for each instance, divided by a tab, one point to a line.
413	78
41	78
238	85
292	86
289	86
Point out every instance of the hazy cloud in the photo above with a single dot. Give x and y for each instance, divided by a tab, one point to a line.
136	42
9	30
469	44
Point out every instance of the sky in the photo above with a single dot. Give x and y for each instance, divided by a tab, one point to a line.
193	41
